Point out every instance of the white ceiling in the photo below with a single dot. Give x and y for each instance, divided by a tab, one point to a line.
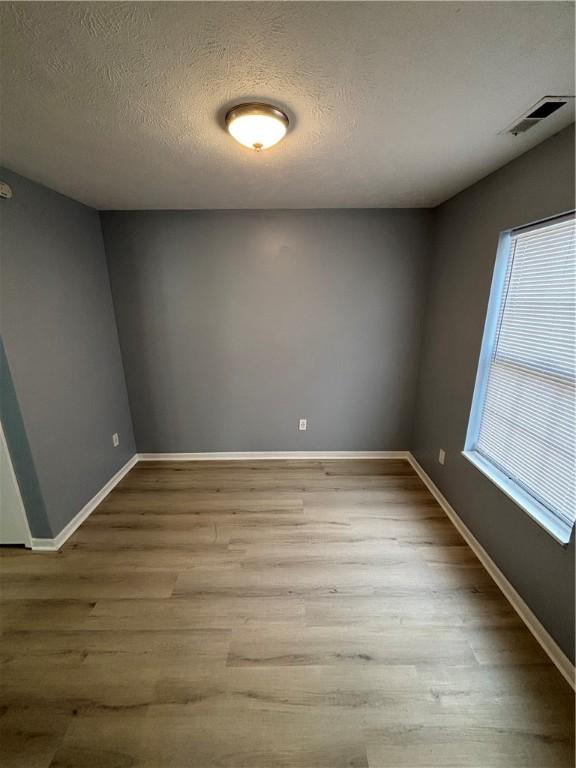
393	104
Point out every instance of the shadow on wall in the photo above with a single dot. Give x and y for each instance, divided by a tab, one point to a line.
21	454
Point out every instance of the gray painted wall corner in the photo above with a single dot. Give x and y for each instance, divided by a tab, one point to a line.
62	350
536	185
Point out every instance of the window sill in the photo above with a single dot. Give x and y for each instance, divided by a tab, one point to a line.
559	530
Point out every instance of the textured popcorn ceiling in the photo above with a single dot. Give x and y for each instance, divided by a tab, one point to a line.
119	105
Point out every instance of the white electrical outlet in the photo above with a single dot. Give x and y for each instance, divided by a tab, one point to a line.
115	440
442	456
303	425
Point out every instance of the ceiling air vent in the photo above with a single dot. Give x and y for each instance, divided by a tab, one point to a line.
540	111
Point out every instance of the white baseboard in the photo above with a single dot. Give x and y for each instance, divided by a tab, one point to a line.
51	545
552	649
272	455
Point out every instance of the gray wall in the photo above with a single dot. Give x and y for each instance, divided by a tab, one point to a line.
233	325
63	388
536	185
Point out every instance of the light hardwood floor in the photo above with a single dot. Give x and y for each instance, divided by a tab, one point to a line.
286	613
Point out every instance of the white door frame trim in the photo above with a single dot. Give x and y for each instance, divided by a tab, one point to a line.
21	508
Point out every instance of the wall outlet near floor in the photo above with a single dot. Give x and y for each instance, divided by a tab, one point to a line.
303	425
442	456
115	440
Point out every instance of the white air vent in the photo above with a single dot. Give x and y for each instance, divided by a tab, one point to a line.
540	111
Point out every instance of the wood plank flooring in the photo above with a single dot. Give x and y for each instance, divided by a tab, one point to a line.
303	614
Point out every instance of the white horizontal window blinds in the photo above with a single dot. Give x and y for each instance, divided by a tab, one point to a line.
527	422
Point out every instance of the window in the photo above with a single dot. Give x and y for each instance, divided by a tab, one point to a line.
522	424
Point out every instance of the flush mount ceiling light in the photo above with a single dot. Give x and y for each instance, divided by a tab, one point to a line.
257	126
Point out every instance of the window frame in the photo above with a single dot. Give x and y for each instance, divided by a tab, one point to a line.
560	530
